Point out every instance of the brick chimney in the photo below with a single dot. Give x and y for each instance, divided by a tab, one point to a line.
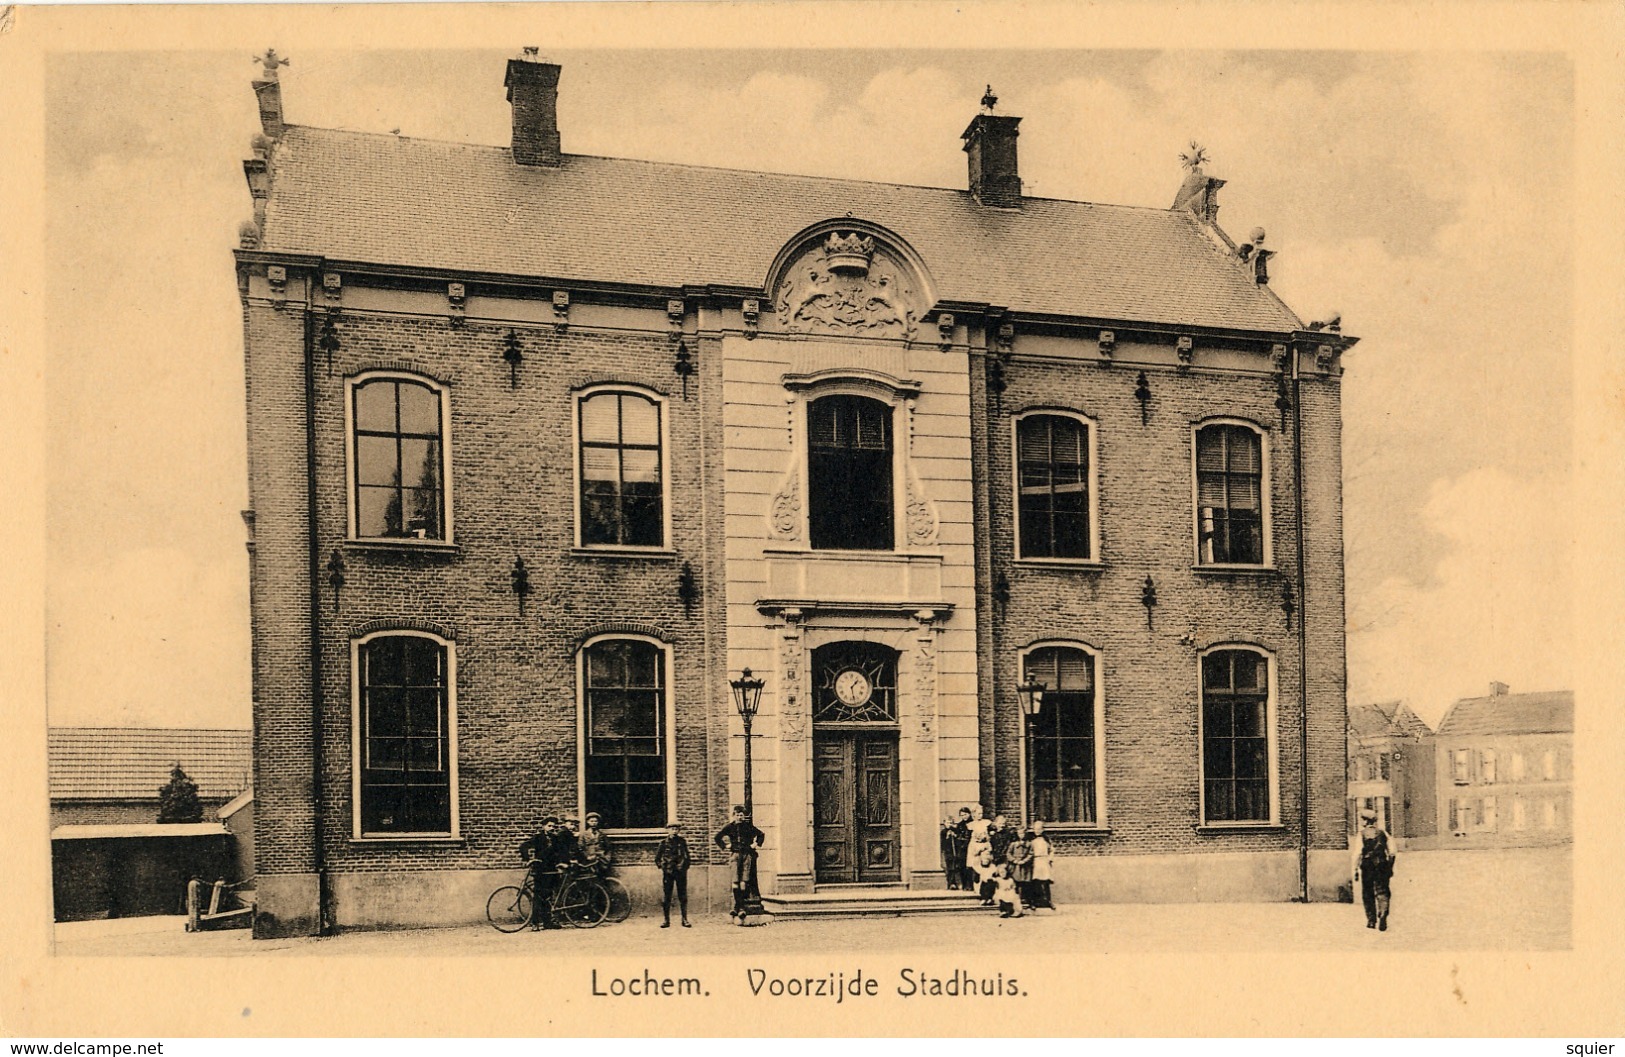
1200	194
990	148
533	89
1499	689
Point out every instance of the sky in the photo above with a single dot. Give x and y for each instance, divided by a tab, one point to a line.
1428	198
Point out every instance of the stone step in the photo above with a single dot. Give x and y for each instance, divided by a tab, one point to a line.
850	902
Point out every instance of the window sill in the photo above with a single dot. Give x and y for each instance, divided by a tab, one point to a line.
636	834
409	838
404	546
1240	827
1082	565
644	553
841	554
1065	829
1229	571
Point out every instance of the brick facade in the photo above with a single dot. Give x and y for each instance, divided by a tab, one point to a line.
715	596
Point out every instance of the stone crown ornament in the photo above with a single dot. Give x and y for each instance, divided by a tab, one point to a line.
849	254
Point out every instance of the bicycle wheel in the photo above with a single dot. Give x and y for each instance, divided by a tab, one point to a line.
582	904
509	908
620	900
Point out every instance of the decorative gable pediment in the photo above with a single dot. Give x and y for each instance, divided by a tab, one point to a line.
847	280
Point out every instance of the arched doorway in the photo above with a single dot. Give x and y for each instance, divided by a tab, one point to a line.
855	794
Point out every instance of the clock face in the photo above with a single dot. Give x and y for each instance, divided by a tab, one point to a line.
852	687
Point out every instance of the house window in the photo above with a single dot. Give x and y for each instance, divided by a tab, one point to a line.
397	459
1052	487
1460	762
1486	765
1230	495
625	720
622	491
1517	767
405	735
1384	767
1548	765
1236	737
1520	813
1061	785
1486	813
849	473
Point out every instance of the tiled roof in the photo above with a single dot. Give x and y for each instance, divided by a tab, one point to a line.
1386	717
385	199
133	763
1543	713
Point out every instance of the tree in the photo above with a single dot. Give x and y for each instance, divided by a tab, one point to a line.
177	801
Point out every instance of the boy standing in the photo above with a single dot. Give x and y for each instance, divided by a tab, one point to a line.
672	857
740	840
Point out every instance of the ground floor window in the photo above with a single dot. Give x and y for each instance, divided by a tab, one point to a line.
405	741
1061	753
624	690
1235	736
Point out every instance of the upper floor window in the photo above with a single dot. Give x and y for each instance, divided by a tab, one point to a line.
1053	487
1461	761
1236	737
1486	765
1230	495
1062	782
625	720
405	741
397	459
849	473
622	490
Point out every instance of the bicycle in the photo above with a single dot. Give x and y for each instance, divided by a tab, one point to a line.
579	900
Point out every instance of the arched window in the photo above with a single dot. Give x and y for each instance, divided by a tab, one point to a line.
849	473
625	721
1061	753
621	470
405	735
854	682
1230	494
397	459
1236	737
1053	493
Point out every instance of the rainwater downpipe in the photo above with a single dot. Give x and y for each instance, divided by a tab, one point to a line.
1303	633
324	925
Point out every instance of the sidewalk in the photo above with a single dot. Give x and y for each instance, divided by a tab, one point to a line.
1517	899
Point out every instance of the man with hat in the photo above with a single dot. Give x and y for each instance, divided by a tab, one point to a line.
543	852
1375	870
594	845
740	839
673	859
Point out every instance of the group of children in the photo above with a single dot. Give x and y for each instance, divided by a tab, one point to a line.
1004	864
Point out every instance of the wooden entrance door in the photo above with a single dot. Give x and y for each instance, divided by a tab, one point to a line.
855	831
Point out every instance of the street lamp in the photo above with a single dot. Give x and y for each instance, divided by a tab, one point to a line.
747	699
1031	695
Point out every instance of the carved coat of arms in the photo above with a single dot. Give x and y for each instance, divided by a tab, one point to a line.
847	286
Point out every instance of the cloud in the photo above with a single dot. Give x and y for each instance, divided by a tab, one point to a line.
1496	606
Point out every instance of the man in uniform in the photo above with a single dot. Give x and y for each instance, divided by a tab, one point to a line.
740	840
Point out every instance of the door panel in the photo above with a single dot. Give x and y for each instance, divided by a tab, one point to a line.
855	828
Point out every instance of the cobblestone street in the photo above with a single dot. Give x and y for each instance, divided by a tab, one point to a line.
1517	899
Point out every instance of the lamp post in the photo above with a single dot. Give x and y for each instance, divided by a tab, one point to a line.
1031	695
747	692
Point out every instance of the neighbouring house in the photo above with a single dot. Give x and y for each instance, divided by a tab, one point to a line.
1390	760
133	869
546	449
112	775
1506	769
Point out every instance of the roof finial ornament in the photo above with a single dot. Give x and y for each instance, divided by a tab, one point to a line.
989	100
271	61
1195	159
532	53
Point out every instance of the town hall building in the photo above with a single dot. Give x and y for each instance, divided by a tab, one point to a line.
546	449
